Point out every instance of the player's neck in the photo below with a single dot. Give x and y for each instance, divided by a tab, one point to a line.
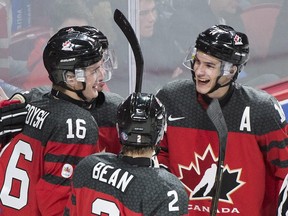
147	154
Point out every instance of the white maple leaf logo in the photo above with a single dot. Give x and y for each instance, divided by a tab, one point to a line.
203	173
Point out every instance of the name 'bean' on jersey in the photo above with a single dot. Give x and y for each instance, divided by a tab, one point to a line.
110	184
116	177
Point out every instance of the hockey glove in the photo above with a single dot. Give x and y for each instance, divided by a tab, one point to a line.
283	198
12	117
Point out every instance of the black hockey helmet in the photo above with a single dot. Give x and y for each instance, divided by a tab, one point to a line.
222	42
141	120
72	48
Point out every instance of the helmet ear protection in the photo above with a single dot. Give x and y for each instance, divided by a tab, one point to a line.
80	75
69	79
233	69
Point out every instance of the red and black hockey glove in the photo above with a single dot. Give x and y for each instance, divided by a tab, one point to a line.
283	198
12	117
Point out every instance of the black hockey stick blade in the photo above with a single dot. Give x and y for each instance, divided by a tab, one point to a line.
129	33
216	116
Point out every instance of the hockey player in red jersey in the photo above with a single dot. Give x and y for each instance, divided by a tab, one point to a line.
37	165
103	109
129	183
257	144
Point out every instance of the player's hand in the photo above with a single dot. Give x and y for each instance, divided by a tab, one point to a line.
12	117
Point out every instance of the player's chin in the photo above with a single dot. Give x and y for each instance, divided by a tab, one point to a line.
92	94
95	92
100	86
202	87
202	91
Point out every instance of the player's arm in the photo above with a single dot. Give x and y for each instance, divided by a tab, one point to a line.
105	115
72	205
70	209
13	112
274	142
277	137
54	188
108	140
73	139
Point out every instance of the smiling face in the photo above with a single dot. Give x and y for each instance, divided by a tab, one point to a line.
207	70
93	77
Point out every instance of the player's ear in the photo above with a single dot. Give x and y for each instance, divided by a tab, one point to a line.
233	69
70	79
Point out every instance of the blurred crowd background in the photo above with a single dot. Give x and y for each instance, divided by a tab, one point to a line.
165	28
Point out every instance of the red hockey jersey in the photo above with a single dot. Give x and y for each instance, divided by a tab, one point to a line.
105	115
104	110
256	151
37	166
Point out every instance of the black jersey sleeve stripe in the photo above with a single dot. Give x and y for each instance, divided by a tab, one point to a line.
56	180
279	163
73	160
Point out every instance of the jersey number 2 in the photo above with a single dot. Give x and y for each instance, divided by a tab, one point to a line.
104	206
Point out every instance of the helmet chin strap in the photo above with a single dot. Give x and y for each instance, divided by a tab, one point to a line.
79	93
61	95
218	85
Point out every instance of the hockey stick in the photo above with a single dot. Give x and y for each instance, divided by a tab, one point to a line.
216	116
129	33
